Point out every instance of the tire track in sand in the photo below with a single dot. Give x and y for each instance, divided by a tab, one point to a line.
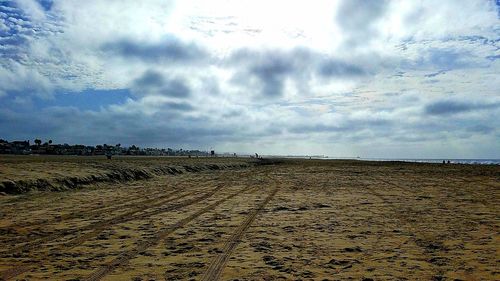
124	203
410	230
96	229
161	235
30	245
217	265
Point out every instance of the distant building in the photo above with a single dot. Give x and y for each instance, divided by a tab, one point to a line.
20	147
24	147
5	147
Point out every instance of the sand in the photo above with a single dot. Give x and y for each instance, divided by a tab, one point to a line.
295	220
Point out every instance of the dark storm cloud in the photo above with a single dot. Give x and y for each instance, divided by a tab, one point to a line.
153	82
356	18
271	68
449	107
167	50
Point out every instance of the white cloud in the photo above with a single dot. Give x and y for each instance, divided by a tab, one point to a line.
32	8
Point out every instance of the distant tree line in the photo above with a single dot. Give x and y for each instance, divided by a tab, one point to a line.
49	148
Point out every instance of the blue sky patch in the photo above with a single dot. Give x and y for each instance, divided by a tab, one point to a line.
86	100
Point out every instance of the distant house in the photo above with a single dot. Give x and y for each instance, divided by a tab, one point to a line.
20	147
99	150
5	147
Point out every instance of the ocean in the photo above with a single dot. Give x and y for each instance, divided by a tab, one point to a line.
453	161
417	160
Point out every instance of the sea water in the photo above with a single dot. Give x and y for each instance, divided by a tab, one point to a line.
453	161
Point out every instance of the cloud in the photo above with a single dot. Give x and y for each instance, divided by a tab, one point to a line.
269	69
447	59
169	49
155	83
449	107
493	57
337	68
357	18
181	106
483	129
430	75
33	8
348	124
18	79
271	72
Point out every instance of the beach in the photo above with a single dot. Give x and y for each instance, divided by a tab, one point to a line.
167	218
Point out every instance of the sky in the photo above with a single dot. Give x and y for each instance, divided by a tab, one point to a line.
347	78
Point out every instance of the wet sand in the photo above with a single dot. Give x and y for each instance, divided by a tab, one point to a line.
296	220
